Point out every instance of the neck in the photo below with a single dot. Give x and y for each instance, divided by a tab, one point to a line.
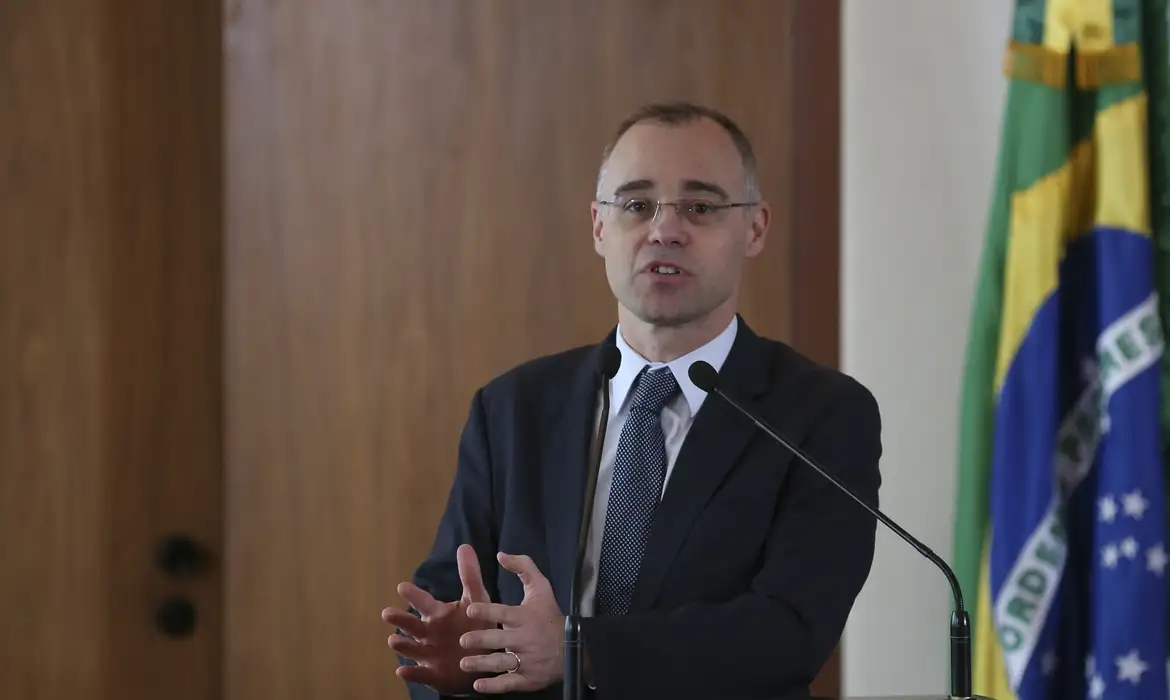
666	343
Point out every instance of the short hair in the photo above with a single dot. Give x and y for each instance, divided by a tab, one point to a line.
678	113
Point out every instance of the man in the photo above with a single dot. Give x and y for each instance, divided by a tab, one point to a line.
717	565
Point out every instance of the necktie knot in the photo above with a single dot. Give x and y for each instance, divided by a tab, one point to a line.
654	390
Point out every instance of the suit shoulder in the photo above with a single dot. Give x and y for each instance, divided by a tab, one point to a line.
793	371
543	373
823	405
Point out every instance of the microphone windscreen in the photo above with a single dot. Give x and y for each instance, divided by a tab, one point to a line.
703	375
608	361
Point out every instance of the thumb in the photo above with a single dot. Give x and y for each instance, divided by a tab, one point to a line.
522	565
471	576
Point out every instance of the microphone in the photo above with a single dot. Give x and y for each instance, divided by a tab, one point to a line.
706	378
574	681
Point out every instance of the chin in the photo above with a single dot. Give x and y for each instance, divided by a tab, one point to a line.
666	308
667	318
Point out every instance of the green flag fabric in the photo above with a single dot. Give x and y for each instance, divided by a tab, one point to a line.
1061	527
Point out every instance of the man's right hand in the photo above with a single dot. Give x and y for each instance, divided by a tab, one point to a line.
433	642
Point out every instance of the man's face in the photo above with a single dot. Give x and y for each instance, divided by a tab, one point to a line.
675	267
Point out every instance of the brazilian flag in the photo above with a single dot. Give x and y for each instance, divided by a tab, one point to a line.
1061	518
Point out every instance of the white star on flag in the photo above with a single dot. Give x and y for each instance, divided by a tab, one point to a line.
1096	688
1109	556
1156	559
1131	667
1129	547
1134	505
1108	509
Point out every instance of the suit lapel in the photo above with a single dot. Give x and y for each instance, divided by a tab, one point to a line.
564	467
712	447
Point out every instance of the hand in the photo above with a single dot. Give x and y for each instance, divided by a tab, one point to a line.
436	635
532	631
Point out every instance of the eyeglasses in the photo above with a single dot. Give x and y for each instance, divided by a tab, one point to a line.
699	212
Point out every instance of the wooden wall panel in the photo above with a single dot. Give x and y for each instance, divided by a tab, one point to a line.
814	192
52	524
110	343
814	202
404	180
407	215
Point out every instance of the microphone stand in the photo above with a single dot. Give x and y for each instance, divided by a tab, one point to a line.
574	680
705	377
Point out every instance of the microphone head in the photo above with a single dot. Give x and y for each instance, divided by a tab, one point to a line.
704	376
608	361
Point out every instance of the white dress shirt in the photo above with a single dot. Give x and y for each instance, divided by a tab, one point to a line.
677	417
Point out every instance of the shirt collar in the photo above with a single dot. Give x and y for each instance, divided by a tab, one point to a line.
714	352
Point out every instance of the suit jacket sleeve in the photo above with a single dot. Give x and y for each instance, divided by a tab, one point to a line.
774	638
469	518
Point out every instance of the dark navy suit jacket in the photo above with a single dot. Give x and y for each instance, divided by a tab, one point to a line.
754	561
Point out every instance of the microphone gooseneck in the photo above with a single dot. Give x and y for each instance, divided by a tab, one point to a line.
706	378
608	362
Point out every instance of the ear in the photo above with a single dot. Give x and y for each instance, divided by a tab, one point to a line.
757	232
598	228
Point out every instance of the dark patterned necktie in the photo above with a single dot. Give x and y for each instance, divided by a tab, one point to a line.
639	471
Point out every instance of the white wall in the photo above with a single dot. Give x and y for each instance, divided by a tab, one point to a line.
923	94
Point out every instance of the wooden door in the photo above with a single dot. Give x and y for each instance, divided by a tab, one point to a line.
408	188
110	348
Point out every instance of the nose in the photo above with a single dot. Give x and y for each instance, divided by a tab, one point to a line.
668	227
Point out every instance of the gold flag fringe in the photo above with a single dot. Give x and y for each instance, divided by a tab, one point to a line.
1036	63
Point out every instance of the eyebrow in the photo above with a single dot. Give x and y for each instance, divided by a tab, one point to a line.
702	186
633	186
688	186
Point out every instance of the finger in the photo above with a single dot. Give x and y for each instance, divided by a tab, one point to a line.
523	566
471	575
496	612
423	675
419	599
507	683
488	663
411	649
488	639
410	624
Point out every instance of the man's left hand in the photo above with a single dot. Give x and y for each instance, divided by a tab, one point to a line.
530	635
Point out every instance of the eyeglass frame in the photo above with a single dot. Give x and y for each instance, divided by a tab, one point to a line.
658	204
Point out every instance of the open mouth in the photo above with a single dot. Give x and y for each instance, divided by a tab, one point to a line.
663	269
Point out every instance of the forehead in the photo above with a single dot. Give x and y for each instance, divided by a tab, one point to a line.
669	155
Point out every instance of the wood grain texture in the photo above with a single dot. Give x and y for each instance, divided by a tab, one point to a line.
52	524
110	335
408	188
163	314
814	196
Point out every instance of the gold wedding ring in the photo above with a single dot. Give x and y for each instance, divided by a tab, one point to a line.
514	656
